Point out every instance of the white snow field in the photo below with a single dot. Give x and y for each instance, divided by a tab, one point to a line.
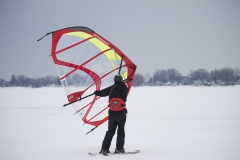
165	123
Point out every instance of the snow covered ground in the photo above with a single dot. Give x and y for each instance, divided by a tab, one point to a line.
168	123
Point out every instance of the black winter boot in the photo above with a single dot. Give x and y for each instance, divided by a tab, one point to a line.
104	152
119	151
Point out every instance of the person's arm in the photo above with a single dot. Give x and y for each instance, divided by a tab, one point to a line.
104	92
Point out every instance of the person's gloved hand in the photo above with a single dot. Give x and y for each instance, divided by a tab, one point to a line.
95	92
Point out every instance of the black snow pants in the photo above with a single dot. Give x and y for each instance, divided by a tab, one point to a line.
115	120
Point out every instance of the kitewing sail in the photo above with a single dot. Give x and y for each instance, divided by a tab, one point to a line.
86	62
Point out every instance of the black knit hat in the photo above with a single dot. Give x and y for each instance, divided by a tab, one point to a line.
118	78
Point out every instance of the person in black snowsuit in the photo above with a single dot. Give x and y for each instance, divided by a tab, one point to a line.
117	114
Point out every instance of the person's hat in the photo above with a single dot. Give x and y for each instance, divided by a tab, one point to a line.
118	78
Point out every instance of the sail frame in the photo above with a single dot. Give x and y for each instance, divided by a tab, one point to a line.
106	48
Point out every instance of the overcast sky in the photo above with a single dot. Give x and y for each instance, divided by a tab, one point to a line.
155	34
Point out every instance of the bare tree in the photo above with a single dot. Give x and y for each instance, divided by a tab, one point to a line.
200	74
236	74
173	75
169	75
138	80
160	76
215	74
226	75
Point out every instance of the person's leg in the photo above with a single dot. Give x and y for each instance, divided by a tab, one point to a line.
121	132
112	125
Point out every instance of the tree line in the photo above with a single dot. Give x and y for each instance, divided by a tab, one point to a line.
161	77
23	81
201	77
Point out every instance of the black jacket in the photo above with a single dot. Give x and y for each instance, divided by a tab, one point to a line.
118	90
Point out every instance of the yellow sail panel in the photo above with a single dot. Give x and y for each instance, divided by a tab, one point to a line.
79	34
102	46
125	75
111	55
